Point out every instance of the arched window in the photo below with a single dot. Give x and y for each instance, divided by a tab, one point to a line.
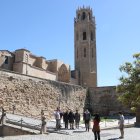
84	36
6	60
91	36
84	52
83	15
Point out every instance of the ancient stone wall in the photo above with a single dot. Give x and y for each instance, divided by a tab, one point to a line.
30	95
104	100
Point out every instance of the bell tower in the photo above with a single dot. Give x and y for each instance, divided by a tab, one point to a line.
85	47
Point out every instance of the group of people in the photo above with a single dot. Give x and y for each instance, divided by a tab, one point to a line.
70	118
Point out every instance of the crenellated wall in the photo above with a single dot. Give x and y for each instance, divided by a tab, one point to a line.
30	95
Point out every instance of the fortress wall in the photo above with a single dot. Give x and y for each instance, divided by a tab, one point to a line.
30	95
103	100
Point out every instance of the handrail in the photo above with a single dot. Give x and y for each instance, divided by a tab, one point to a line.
22	123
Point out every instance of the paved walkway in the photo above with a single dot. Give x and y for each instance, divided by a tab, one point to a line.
51	123
130	134
77	134
37	122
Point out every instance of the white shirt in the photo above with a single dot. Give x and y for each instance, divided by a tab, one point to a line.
57	115
121	121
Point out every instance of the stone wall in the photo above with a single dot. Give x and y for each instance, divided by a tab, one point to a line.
30	95
103	100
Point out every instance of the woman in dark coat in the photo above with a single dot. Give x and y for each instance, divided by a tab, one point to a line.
66	119
77	119
71	119
96	127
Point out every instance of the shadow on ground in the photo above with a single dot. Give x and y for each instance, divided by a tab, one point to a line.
114	139
78	131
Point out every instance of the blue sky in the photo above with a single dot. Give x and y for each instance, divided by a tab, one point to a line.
45	27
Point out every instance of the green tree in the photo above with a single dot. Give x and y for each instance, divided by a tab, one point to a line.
130	85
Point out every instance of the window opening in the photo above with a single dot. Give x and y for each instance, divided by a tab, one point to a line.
84	36
6	60
83	15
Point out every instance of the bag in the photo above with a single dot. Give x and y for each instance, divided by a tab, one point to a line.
44	123
96	129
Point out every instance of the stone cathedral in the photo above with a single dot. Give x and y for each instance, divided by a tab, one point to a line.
33	83
22	61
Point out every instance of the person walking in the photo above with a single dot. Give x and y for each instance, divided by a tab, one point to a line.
71	119
121	125
86	118
96	127
66	119
77	119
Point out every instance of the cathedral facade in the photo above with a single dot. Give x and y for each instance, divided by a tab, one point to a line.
24	62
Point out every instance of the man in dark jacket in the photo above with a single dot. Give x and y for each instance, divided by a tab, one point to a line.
77	119
86	118
71	119
66	119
